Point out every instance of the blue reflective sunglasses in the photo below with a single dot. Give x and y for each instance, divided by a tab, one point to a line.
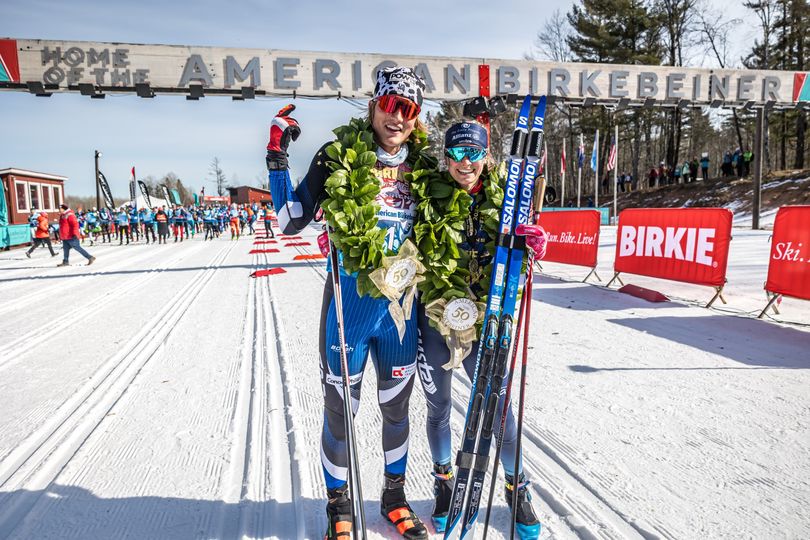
473	153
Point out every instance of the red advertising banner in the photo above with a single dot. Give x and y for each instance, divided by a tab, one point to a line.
789	266
573	236
679	244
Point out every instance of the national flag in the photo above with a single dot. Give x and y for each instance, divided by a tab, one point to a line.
611	163
562	160
595	153
581	153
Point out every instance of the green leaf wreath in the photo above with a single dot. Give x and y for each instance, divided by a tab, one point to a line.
441	211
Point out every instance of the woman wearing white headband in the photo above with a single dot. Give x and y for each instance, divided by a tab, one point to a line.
359	182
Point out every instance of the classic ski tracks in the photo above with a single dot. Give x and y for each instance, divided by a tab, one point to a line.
12	351
263	479
35	463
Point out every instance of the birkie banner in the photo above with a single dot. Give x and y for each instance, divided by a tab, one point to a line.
688	245
789	266
573	236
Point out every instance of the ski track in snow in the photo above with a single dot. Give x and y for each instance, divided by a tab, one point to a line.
204	419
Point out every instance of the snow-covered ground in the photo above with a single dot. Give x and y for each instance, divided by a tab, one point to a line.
163	393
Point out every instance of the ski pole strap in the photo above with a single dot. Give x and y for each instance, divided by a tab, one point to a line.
475	462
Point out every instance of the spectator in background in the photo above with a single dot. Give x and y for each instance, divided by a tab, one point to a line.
737	163
693	169
69	232
685	170
704	166
727	167
42	235
677	174
747	158
652	177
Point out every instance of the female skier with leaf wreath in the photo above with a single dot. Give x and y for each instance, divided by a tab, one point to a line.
452	300
362	182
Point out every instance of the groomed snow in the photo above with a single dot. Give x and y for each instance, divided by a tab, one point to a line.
163	393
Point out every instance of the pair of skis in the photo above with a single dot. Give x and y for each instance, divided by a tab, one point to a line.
499	319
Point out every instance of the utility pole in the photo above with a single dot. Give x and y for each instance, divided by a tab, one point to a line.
98	192
759	145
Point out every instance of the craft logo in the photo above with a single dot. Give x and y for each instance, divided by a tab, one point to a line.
801	88
9	64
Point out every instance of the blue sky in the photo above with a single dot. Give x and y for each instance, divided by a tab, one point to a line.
59	134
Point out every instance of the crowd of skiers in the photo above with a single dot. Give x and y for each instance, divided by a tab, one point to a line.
128	224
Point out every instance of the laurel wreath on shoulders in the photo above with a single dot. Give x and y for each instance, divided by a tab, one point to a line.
351	190
442	211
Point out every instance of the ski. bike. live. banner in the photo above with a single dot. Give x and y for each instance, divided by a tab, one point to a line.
573	236
688	245
789	267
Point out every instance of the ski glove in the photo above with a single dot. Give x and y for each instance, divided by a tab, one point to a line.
323	243
536	239
282	130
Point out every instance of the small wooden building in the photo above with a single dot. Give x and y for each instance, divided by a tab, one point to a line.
249	195
27	191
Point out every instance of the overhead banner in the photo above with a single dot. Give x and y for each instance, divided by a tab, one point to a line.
105	190
91	67
689	244
573	236
789	266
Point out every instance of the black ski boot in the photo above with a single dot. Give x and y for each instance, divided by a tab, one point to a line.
442	494
527	526
396	509
339	514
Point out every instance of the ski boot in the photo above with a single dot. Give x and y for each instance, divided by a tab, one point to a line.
442	493
527	525
396	509
339	514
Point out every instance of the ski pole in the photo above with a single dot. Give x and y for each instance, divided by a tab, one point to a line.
355	489
506	404
527	291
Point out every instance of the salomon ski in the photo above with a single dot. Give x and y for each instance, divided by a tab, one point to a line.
472	460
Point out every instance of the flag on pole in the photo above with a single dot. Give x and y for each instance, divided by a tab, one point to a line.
581	153
562	159
611	163
595	153
132	185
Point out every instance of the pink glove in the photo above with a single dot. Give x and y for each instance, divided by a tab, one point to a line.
536	238
323	243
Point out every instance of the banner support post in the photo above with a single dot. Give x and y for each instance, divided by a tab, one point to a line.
718	294
615	278
772	297
592	273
